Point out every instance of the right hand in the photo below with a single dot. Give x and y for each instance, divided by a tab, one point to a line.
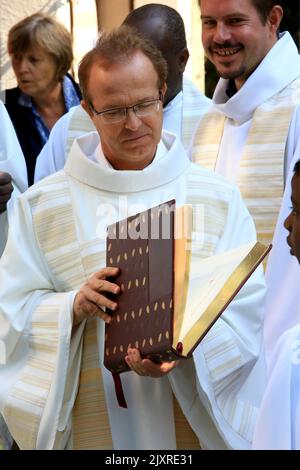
146	367
6	188
90	299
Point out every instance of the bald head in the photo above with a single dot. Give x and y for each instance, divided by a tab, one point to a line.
165	27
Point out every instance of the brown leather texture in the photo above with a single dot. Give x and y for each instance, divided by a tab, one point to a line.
142	247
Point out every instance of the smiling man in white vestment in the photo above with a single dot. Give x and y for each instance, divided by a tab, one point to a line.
54	389
253	130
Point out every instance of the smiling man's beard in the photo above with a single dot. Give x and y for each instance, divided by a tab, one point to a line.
231	74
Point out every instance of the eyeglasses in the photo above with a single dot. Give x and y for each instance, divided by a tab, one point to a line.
114	115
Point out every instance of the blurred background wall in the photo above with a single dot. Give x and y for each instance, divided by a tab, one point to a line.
84	17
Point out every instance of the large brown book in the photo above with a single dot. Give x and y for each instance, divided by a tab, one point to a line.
159	284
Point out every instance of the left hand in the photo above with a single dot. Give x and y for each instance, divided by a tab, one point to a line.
146	367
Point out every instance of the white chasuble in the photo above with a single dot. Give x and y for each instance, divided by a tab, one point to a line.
260	175
51	381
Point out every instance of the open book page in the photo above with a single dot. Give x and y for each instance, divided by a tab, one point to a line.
212	283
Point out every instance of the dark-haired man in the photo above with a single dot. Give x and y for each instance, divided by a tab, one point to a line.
184	104
253	130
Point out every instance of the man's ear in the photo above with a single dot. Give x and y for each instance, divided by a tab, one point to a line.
274	18
182	58
163	91
87	108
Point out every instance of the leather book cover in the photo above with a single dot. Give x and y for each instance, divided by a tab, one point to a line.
142	246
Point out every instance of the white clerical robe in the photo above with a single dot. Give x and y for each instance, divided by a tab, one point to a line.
283	295
282	339
278	423
12	162
56	242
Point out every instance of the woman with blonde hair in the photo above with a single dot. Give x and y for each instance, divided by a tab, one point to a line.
41	53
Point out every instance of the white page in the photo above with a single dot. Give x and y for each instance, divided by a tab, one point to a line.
207	277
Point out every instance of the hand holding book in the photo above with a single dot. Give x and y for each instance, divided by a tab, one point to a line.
146	367
168	300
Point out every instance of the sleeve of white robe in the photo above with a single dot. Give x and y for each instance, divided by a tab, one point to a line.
278	423
12	162
292	144
229	361
35	328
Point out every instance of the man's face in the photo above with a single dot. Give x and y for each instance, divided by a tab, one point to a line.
131	144
292	222
234	38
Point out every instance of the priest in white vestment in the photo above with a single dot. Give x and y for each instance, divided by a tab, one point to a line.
54	390
252	132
